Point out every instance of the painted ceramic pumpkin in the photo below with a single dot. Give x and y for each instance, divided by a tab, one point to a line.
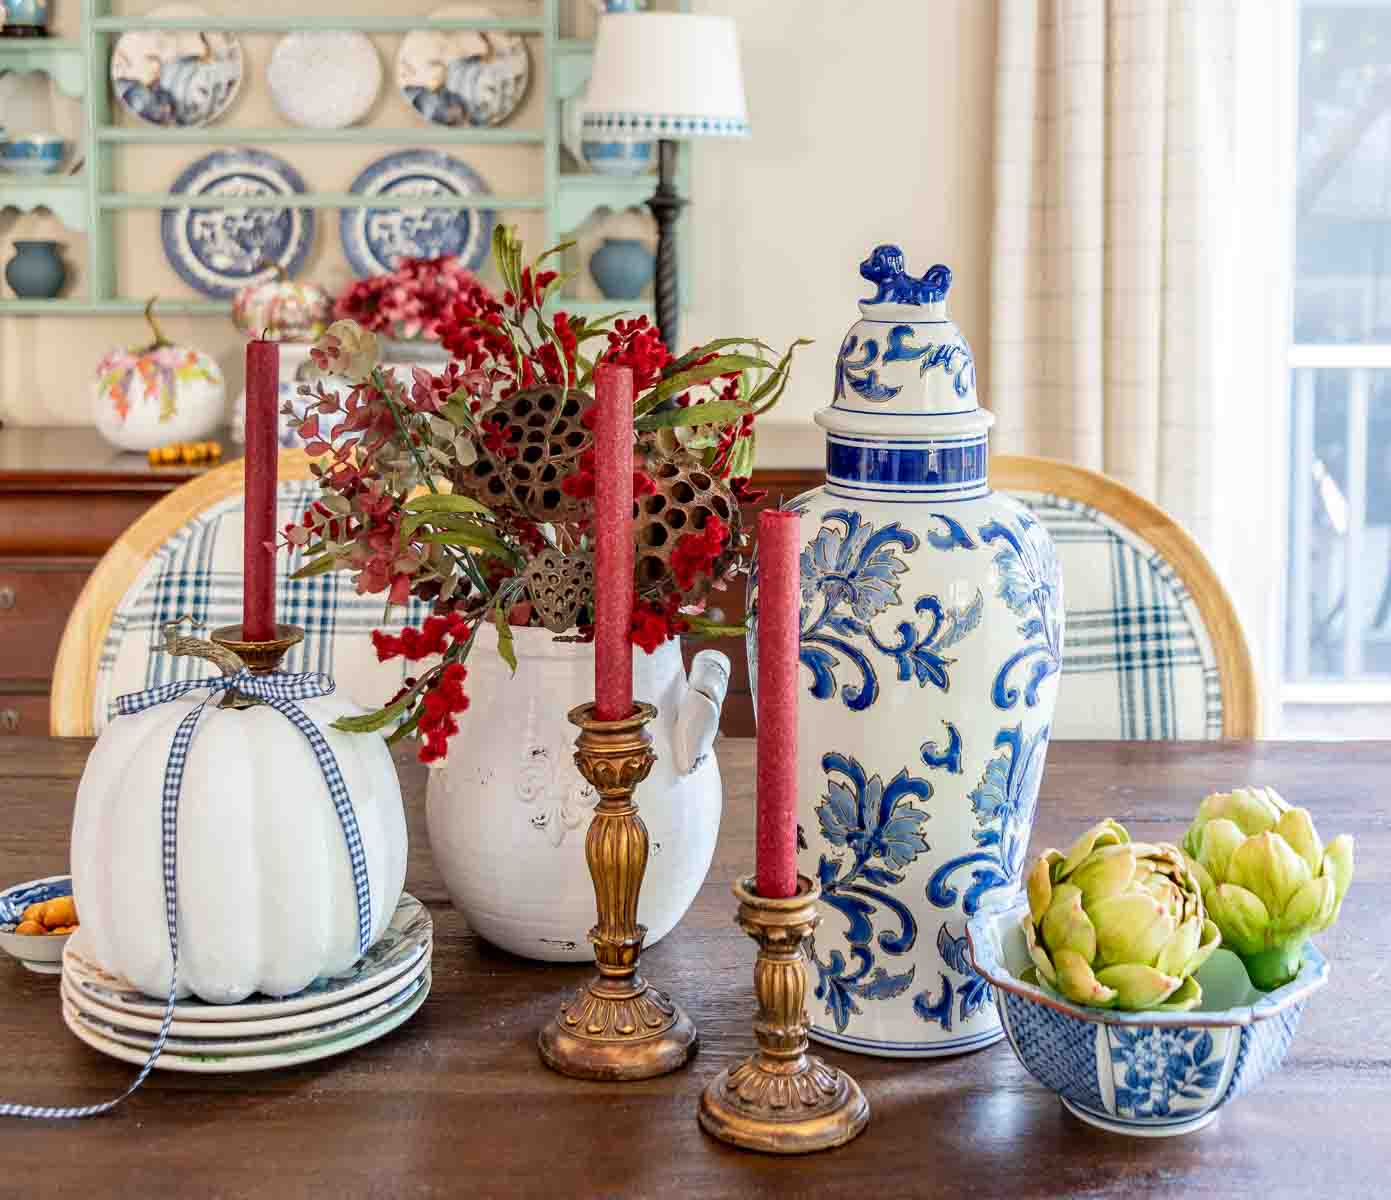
282	310
158	394
265	890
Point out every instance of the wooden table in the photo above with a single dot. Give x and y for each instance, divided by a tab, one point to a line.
457	1102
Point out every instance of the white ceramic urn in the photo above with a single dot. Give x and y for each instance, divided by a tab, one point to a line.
508	811
932	626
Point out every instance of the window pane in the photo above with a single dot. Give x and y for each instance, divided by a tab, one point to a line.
1339	623
1343	204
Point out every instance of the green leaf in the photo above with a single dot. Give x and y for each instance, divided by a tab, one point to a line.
446	503
714	412
674	385
704	627
474	540
505	649
319	566
710	348
559	249
382	717
742	459
776	382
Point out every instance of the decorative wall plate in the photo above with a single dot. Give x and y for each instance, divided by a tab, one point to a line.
218	1064
218	251
463	76
325	79
375	238
178	77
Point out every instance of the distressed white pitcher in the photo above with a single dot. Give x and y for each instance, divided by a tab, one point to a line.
508	811
932	628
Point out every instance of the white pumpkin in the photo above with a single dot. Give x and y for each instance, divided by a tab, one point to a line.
265	891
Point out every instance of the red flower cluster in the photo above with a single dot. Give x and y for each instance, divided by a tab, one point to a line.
414	299
654	623
580	482
415	644
695	552
533	292
441	701
638	344
498	439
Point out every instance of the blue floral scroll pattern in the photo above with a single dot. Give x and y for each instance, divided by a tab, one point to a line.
973	992
861	377
953	357
850	575
881	829
1030	584
1156	1067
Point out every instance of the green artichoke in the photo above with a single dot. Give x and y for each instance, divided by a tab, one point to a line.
1118	924
1267	879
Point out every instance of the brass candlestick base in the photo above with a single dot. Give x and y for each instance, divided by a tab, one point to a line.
260	657
782	1100
618	1026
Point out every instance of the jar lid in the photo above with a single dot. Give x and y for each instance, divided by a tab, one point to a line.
904	368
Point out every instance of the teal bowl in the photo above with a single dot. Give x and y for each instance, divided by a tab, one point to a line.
1144	1074
33	154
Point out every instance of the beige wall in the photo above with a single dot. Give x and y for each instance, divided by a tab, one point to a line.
856	141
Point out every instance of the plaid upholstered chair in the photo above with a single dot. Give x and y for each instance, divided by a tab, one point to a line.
184	556
1153	648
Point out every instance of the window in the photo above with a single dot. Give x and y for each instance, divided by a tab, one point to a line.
1338	604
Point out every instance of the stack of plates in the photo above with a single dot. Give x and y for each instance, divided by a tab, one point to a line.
381	991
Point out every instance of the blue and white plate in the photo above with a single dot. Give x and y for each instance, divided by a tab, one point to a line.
218	251
406	940
176	77
42	953
375	239
463	76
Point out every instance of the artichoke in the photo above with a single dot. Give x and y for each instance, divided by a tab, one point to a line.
1267	879
1118	924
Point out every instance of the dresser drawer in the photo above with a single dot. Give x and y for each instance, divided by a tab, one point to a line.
23	713
35	600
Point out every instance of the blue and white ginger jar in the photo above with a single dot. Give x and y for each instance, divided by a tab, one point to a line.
932	627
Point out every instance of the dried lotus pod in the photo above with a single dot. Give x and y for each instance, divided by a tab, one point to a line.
687	497
543	425
560	585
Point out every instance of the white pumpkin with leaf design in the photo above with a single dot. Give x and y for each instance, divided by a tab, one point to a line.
158	394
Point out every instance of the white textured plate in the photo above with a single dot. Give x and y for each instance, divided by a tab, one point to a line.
222	1064
462	76
406	939
325	79
176	77
236	1030
114	1027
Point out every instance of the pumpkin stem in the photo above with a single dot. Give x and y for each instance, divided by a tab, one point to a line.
228	661
160	340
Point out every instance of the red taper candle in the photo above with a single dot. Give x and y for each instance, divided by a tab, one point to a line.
779	645
613	543
262	454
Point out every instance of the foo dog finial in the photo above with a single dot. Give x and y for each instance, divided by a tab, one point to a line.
885	269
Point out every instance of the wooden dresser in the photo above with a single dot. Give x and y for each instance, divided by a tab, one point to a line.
65	496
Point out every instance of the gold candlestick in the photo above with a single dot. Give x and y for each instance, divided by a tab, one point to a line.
782	1100
618	1026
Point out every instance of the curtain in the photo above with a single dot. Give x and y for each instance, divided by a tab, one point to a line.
1110	237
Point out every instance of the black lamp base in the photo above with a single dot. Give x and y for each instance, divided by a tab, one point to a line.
666	206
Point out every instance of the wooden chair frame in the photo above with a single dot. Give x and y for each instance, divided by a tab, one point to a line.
75	672
1240	695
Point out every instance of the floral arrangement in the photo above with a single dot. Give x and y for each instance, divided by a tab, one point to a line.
415	300
1114	923
472	488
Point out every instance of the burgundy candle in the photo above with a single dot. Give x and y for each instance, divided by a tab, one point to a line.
613	543
262	454
779	637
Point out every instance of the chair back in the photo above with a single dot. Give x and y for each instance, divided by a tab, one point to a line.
1153	648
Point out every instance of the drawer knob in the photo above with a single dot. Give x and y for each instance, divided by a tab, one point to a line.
7	597
9	720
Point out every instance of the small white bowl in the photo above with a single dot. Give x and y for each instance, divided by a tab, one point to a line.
33	153
41	953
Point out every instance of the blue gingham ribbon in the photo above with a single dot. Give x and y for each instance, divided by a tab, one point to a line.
278	691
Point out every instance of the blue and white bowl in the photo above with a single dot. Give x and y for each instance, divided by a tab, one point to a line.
1145	1074
620	156
42	953
33	154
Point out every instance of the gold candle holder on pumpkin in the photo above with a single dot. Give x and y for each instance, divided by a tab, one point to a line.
782	1100
618	1026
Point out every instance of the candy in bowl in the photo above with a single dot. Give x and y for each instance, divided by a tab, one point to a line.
1146	1074
29	936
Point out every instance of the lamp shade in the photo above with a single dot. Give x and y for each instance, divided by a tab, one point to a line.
666	75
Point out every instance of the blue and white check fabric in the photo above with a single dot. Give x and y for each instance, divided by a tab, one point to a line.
1138	663
278	691
198	571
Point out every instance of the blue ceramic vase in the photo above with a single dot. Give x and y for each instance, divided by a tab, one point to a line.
621	267
931	642
36	272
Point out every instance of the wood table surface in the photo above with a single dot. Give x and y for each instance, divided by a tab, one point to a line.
456	1102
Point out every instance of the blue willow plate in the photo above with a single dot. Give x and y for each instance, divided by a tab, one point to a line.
374	239
406	938
218	251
